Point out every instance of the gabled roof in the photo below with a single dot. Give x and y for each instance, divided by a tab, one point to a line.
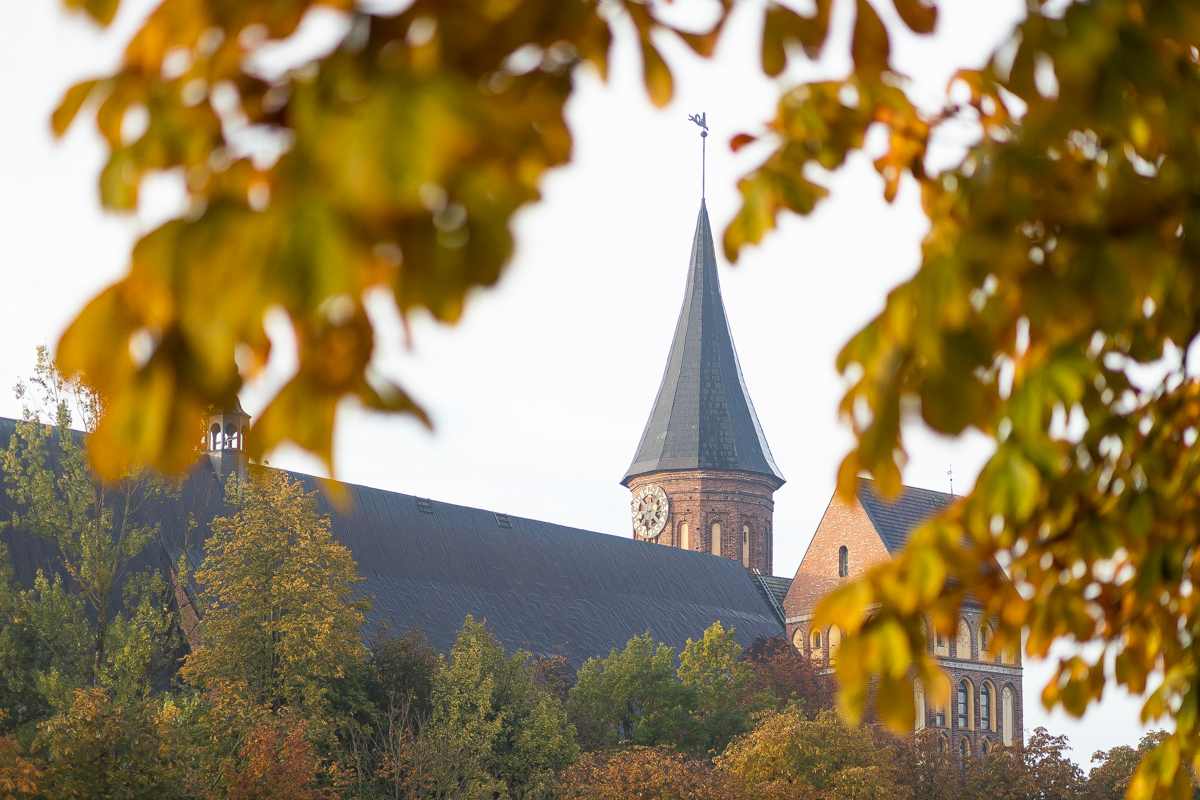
539	586
703	417
896	519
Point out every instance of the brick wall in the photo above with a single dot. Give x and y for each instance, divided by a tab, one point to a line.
847	524
735	500
844	524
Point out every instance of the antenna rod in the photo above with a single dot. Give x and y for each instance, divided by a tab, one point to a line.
701	119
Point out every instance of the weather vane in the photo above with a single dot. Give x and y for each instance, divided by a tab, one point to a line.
701	119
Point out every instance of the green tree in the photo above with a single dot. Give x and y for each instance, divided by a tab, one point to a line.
282	615
61	634
633	696
823	756
713	665
516	733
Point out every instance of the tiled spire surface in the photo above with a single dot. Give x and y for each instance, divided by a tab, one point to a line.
703	417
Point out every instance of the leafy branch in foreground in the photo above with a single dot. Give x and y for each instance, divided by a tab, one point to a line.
1058	290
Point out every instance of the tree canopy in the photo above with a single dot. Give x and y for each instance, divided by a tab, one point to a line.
1054	302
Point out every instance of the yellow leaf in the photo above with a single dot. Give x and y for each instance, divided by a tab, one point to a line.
659	83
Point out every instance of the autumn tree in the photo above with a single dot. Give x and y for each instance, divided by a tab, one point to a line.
831	759
62	633
100	747
791	677
1109	778
278	763
282	615
648	773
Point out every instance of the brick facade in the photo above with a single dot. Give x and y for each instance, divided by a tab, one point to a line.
847	525
740	502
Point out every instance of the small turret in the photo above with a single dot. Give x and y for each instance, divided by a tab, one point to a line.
225	440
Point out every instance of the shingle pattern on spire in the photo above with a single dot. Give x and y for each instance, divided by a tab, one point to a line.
703	417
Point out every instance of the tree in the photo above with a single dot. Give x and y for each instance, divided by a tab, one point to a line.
784	671
279	764
519	730
831	760
647	773
282	617
1038	768
1114	769
713	665
61	634
632	696
99	748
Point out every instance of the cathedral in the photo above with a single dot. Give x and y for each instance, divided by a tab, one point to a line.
702	481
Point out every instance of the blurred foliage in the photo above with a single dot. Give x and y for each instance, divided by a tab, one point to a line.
1052	309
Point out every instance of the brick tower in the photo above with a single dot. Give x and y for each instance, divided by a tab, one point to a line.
703	477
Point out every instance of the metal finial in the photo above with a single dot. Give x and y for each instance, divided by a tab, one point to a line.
950	473
701	119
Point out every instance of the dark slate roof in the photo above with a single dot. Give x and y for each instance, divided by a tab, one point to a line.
896	519
539	586
773	590
703	417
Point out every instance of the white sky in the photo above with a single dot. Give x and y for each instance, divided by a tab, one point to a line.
540	394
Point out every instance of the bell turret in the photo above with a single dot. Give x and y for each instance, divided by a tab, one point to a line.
225	440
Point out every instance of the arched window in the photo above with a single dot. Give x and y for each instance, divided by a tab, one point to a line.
843	562
964	747
986	717
746	546
835	642
814	642
941	699
1007	723
962	706
919	704
985	642
683	536
941	646
716	539
214	437
798	640
963	645
987	746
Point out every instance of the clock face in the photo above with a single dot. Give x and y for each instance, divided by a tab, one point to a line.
649	511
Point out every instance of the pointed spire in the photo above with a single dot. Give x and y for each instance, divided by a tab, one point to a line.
703	417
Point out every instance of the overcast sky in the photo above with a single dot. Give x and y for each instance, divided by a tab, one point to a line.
540	394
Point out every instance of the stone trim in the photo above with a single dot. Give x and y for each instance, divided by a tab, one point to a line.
983	666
